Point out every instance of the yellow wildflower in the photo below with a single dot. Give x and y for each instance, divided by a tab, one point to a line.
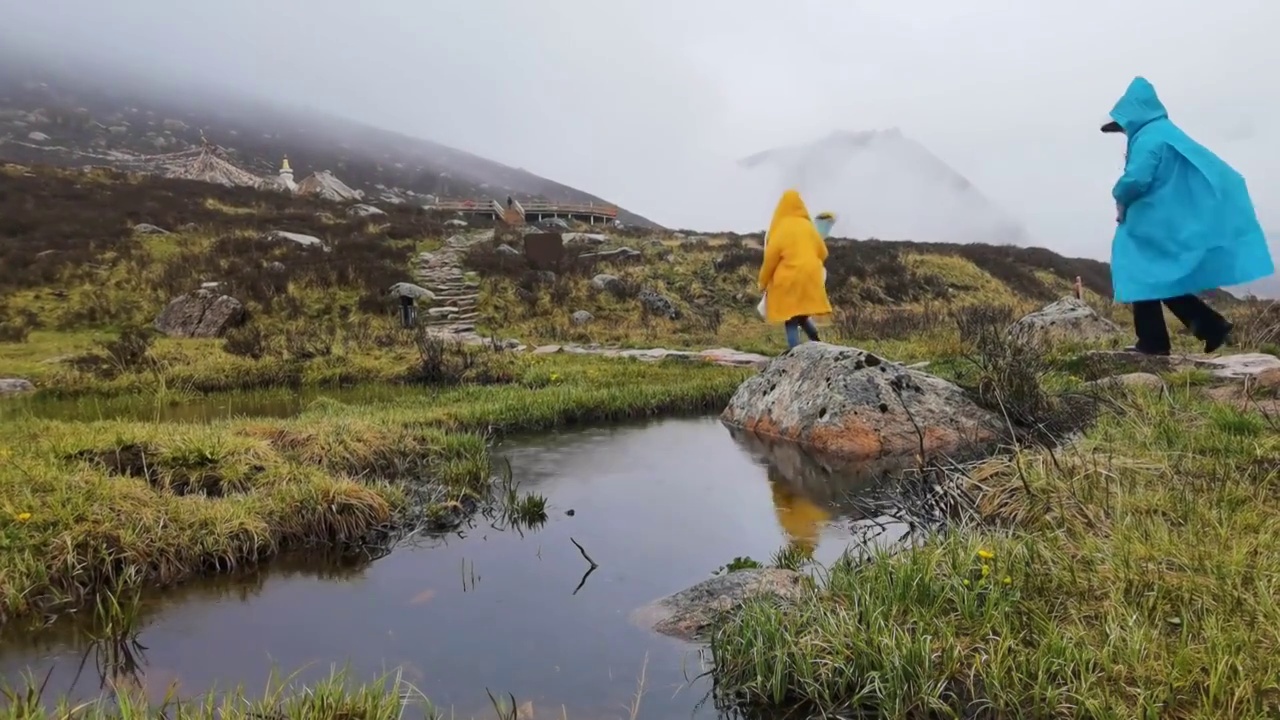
966	582
22	516
986	570
986	554
1007	580
555	377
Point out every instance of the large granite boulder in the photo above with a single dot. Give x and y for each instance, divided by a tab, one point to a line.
688	613
1067	319
853	404
201	314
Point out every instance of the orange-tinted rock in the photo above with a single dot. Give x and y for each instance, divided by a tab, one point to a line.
853	404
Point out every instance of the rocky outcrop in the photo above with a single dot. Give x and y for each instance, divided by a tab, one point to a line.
409	290
1067	319
660	305
619	255
610	284
581	317
201	314
363	210
299	238
689	613
853	404
15	386
324	184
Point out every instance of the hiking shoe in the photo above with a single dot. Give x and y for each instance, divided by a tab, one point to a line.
1216	341
1140	351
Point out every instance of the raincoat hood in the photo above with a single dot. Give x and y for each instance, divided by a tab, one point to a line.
1137	107
789	206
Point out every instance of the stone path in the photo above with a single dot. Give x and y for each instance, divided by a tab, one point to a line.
454	311
1222	367
454	314
717	356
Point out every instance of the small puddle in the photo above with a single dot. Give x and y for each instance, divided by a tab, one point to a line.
659	506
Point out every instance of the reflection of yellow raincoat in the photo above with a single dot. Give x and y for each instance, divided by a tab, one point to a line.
799	517
791	275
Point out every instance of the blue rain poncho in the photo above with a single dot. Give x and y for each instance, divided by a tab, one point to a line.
1189	225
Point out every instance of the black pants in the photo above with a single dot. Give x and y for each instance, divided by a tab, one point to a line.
1153	336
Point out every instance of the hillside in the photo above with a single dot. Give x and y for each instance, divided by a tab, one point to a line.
71	260
885	184
57	111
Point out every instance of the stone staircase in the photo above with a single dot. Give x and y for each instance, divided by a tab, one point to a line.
454	311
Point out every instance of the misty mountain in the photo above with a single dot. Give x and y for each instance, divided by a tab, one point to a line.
883	184
1268	287
61	111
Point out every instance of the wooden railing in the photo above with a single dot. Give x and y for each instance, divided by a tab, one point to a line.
571	208
466	206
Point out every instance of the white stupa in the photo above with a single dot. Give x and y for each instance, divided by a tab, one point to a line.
286	175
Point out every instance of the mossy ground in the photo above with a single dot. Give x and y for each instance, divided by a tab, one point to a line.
1133	574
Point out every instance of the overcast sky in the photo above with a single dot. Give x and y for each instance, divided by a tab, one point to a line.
641	101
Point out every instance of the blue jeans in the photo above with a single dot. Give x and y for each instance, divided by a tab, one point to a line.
795	325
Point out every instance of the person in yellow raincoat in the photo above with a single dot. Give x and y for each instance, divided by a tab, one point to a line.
791	276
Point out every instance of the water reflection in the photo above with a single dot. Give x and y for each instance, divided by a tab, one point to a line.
811	490
657	507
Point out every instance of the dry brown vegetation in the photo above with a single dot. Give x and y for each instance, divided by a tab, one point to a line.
69	257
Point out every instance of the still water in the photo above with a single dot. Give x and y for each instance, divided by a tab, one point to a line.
658	506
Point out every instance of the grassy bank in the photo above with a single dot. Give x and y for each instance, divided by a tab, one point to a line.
86	507
334	698
1133	575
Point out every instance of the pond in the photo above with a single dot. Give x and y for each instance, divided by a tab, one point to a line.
659	506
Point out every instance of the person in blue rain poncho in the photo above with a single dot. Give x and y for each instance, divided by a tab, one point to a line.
1185	225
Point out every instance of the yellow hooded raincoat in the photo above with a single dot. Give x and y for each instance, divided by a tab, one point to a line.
791	275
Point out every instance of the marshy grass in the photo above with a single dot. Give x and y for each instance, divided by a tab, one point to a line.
1134	574
336	697
88	506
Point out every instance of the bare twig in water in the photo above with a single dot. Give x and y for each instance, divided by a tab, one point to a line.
583	581
584	554
590	569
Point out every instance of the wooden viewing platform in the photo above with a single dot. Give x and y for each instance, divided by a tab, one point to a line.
535	211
